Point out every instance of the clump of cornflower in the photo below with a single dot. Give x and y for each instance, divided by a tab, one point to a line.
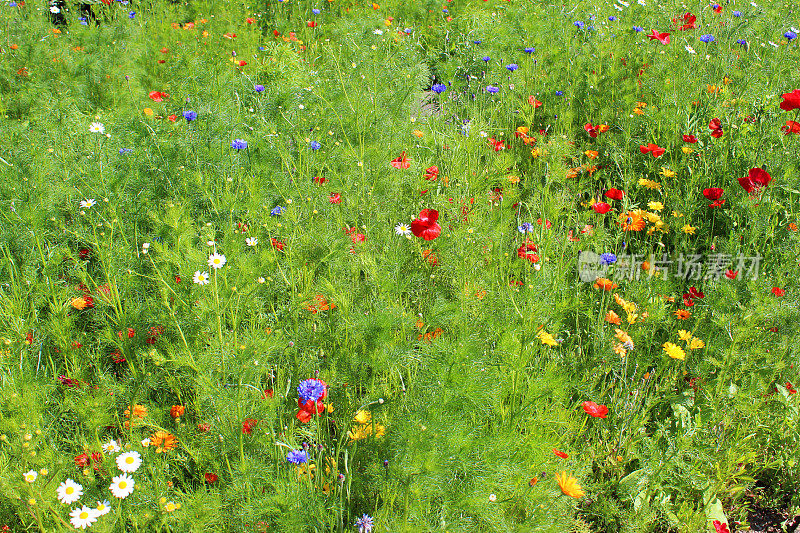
608	258
439	88
529	50
311	390
316	11
365	524
492	89
297	457
790	35
578	24
476	42
277	211
132	15
526	227
741	42
239	144
612	18
512	67
314	145
707	38
259	88
559	93
737	14
123	151
638	29
190	115
486	59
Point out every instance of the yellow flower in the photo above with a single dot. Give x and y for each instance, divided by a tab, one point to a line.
513	179
569	485
650	184
667	173
688	229
638	111
417	133
686	149
677	214
684	335
365	430
546	338
655	206
591	154
674	351
363	417
622	336
629	307
148	111
696	344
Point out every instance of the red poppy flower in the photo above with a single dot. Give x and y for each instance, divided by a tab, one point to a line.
172	118
790	388
716	128
534	102
528	251
158	96
713	193
335	198
250	20
755	179
431	173
400	162
211	478
82	460
310	408
689	139
777	291
591	130
791	127
560	454
358	237
497	145
595	410
601	208
278	245
269	393
320	180
614	194
426	226
312	24
731	274
229	35
663	38
248	425
654	149
720	527
791	100
694	293
689	22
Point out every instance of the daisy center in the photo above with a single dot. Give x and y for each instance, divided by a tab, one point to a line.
129	460
84	515
122	484
69	490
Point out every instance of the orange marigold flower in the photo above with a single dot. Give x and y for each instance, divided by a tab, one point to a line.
163	441
177	411
631	221
682	314
605	284
591	154
613	318
569	485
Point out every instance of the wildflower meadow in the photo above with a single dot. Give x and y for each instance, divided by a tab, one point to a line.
405	266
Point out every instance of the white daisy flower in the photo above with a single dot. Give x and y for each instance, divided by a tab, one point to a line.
201	278
129	461
251	241
146	442
97	127
216	260
30	476
89	202
690	49
103	507
111	446
54	10
69	491
211	243
378	32
145	247
261	280
83	517
121	486
402	229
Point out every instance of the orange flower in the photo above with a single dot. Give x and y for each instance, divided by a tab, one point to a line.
569	485
605	284
177	411
591	154
682	314
79	303
163	441
613	318
631	221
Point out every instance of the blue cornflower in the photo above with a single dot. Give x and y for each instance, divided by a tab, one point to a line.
492	89
612	18
707	38
741	41
310	389
409	31
12	4
439	88
578	23
529	50
316	11
190	115
123	151
297	456
737	14
790	35
259	88
365	524
486	59
314	145
638	29
84	21
608	258
512	67
132	14
239	144
262	48
445	11
476	42
559	93
277	211
526	227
